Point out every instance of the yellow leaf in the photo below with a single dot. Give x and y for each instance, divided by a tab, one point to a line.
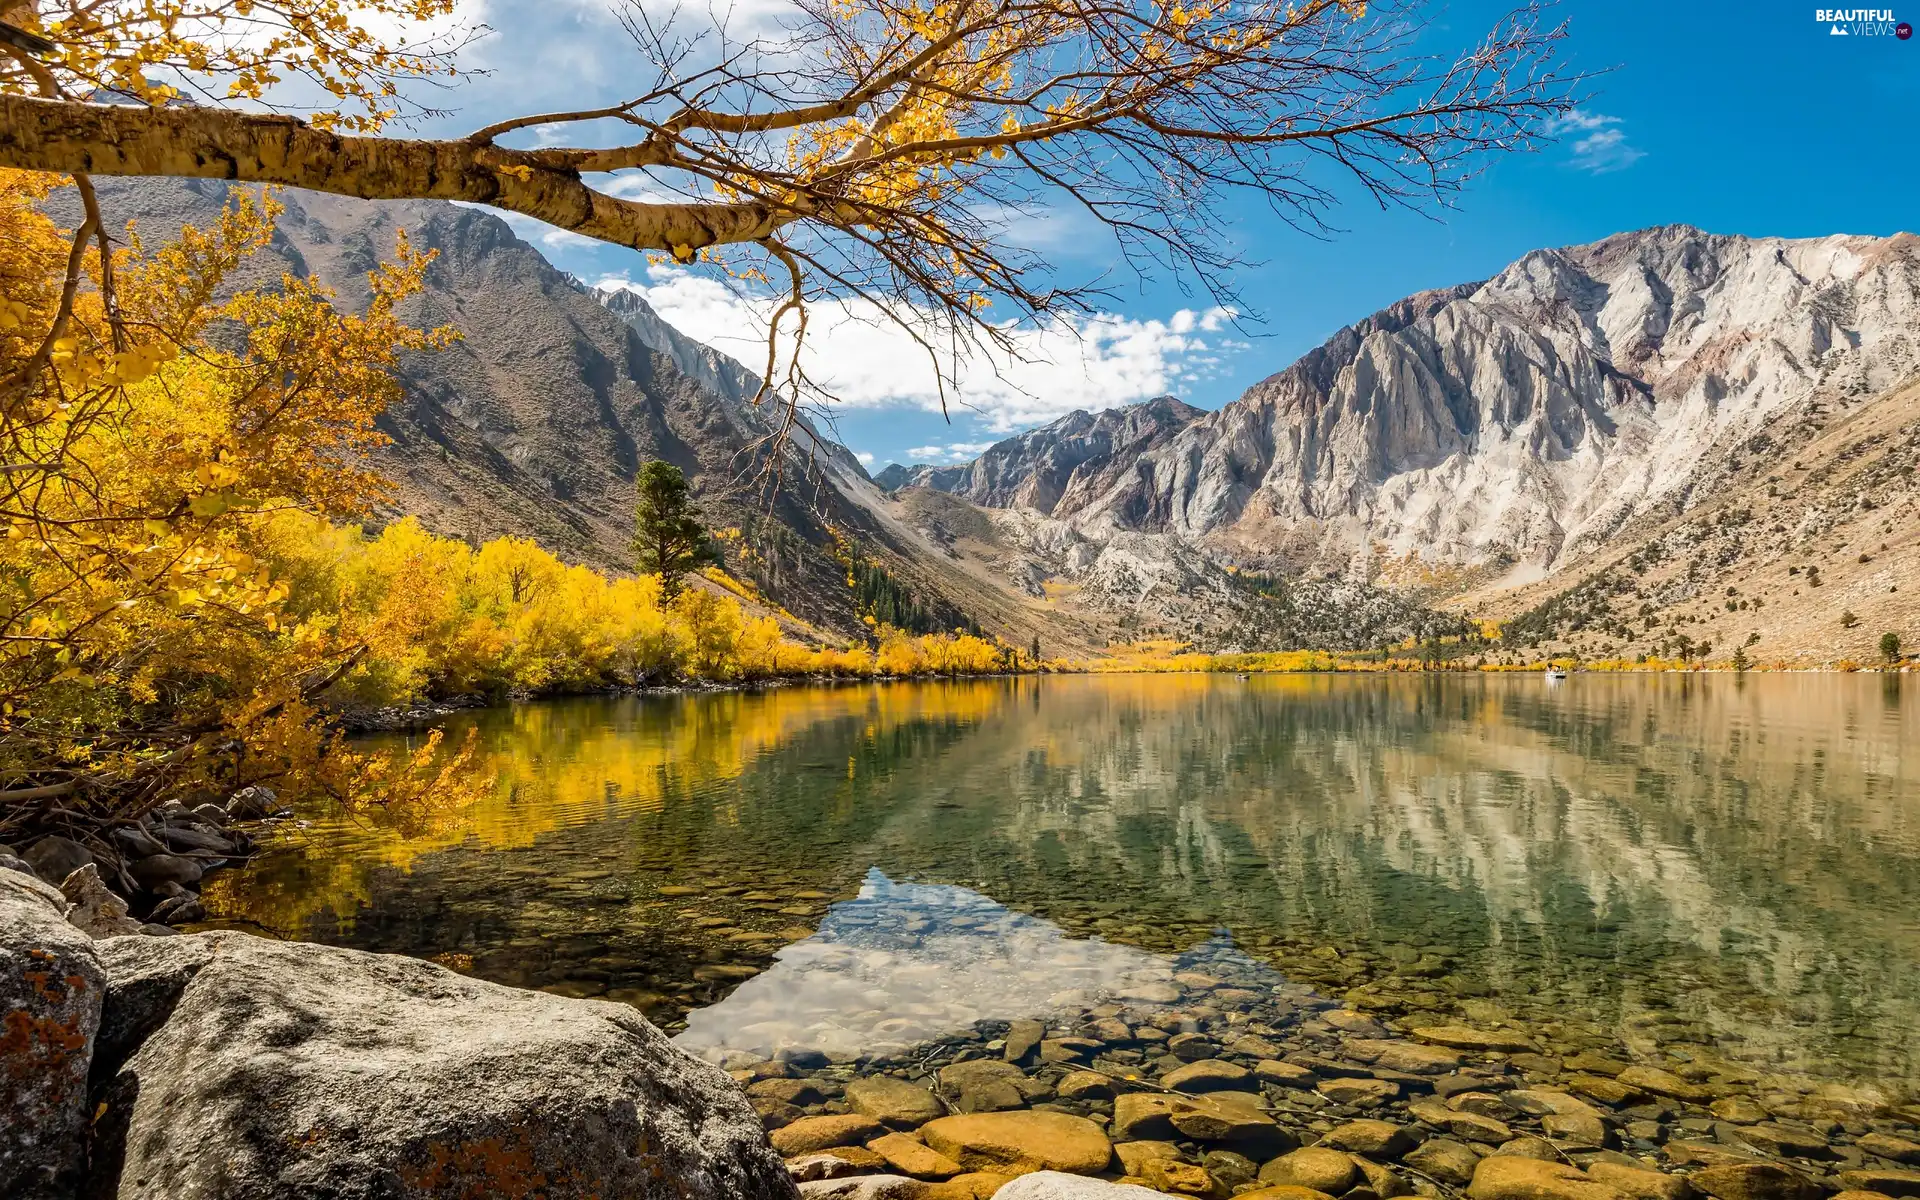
210	504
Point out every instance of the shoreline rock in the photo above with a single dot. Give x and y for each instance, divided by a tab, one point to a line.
51	992
222	1064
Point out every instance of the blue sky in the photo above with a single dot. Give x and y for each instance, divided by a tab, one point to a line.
1748	118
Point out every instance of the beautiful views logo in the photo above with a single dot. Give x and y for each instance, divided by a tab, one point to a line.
1862	22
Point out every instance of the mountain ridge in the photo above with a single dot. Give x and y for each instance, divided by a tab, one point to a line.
1468	445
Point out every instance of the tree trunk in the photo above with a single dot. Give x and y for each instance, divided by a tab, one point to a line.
68	136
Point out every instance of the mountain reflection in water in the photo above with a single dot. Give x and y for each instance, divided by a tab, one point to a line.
903	964
1727	863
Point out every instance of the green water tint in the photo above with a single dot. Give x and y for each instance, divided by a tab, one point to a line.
1711	867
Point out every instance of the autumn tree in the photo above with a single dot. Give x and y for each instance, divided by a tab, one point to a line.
871	150
148	449
669	537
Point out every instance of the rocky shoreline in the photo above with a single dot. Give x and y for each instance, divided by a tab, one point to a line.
143	876
224	1064
1215	1083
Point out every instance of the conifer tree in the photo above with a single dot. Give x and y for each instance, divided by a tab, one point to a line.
669	538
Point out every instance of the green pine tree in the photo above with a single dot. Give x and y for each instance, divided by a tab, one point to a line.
669	538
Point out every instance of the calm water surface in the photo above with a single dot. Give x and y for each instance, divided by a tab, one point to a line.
1715	867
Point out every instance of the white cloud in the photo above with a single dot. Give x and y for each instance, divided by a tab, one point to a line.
952	452
1603	146
866	361
866	459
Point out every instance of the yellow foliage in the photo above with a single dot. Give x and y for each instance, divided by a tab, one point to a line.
442	619
351	53
145	633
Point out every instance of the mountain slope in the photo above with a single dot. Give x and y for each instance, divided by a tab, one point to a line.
1513	425
1585	415
1803	547
535	422
1057	462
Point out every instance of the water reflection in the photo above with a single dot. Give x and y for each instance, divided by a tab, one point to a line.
903	964
1726	863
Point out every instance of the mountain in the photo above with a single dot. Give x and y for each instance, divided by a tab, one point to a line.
1593	443
1059	461
1520	421
1495	441
536	420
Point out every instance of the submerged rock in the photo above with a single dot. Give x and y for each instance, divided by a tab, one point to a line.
984	1085
1024	1141
910	1157
1641	1184
1375	1139
1314	1167
294	1069
894	1102
810	1134
1503	1177
1444	1159
1886	1181
1052	1185
1755	1181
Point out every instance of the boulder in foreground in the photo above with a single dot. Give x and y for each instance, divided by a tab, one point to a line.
291	1069
51	990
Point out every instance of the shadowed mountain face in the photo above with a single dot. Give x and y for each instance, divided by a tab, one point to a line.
535	422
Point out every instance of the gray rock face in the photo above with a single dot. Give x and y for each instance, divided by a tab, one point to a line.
285	1069
145	979
1515	422
96	911
151	873
54	858
252	803
51	991
864	1187
1071	459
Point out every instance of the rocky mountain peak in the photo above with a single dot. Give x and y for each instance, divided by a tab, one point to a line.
1502	424
1038	468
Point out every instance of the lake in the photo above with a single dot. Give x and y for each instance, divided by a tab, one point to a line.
1711	869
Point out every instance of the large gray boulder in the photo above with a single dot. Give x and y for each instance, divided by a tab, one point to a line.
277	1069
51	991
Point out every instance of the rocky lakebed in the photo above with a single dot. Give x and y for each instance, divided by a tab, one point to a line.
1318	940
149	1064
